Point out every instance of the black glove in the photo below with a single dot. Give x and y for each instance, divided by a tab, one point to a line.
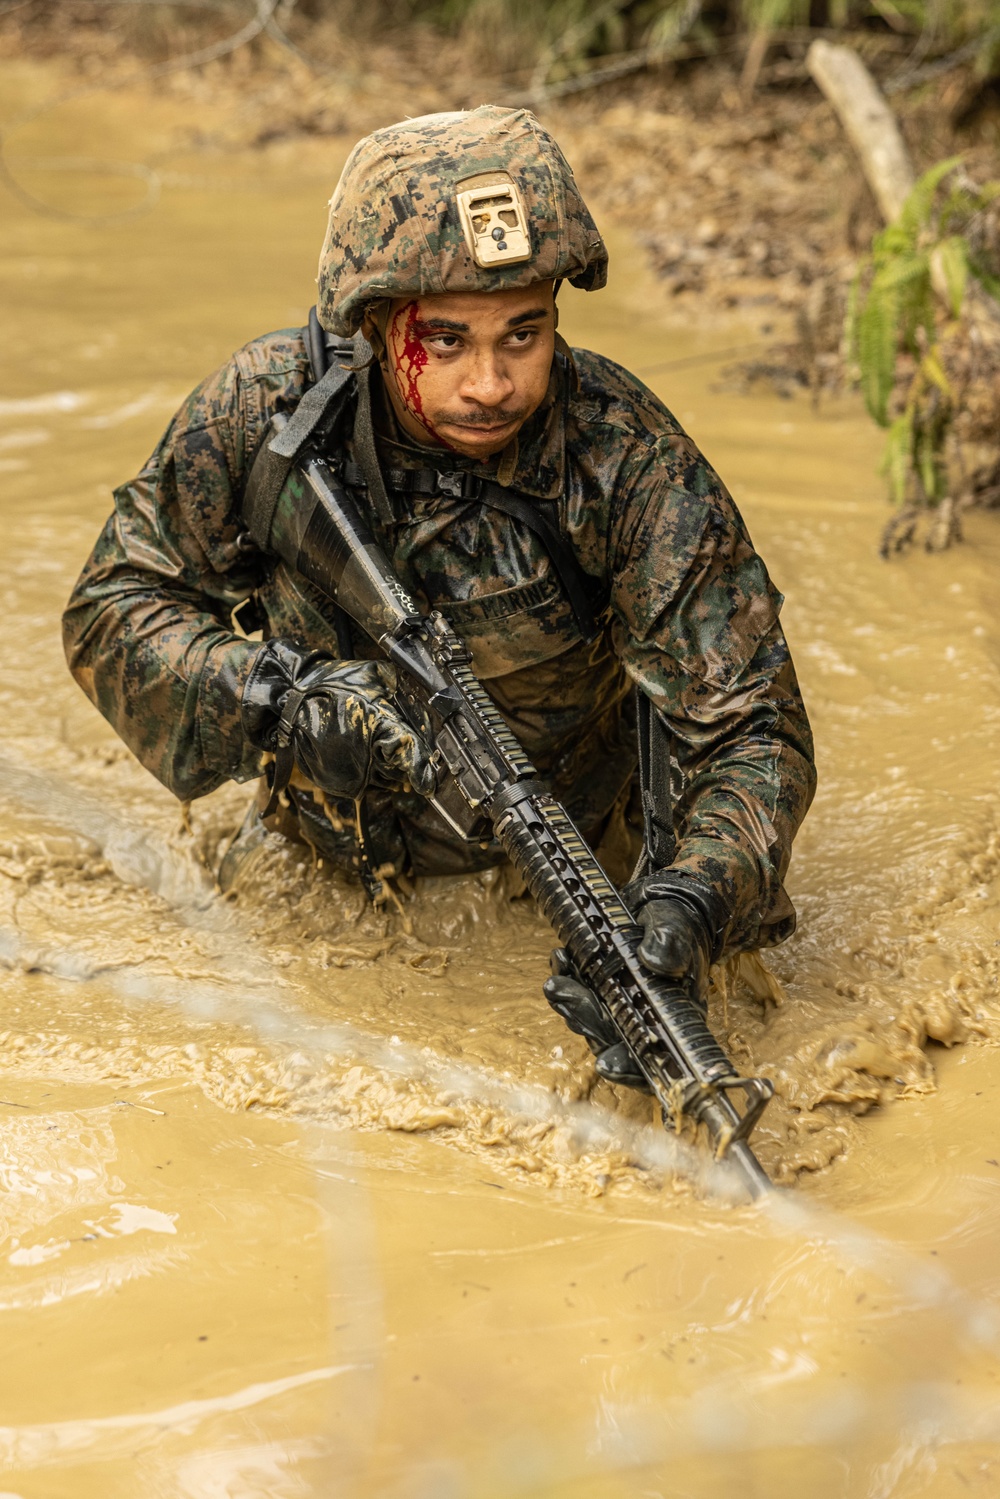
683	934
584	1013
332	719
683	929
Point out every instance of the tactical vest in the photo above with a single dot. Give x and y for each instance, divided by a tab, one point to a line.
553	622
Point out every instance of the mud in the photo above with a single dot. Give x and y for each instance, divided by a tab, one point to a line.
300	1198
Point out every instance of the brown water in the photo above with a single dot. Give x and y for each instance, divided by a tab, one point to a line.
303	1201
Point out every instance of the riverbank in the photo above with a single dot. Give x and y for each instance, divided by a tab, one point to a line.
745	199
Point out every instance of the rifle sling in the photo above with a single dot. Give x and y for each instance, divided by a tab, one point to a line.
654	784
278	453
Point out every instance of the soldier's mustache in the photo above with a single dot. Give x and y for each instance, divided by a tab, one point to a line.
494	416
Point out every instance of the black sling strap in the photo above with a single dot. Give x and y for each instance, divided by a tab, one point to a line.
571	575
319	346
535	514
364	443
654	783
529	510
322	349
277	454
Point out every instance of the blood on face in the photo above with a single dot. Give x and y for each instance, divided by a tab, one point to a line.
409	357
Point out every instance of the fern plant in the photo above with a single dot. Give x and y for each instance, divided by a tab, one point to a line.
915	280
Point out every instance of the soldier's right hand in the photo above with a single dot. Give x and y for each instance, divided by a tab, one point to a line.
336	717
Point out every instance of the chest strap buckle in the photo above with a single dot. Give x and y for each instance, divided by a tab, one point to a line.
456	485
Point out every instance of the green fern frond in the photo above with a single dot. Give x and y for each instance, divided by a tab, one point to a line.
916	211
897	456
878	343
928	445
933	373
892	311
952	259
895	239
903	271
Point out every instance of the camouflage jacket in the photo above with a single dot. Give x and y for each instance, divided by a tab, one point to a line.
686	606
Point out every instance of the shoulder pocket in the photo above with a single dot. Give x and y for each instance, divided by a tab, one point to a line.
205	493
726	606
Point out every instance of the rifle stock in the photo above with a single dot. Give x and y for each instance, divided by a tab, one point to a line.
487	787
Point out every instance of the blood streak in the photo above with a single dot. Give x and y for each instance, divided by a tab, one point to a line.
410	359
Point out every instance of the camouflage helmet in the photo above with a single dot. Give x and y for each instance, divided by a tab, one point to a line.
424	206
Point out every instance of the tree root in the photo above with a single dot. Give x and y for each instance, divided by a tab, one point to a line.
899	532
946	527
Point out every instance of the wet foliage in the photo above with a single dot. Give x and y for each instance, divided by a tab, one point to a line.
906	310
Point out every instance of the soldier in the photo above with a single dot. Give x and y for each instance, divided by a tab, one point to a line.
543	499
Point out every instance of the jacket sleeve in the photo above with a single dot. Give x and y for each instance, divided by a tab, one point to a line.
147	631
700	635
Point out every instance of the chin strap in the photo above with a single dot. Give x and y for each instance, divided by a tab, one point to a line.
364	444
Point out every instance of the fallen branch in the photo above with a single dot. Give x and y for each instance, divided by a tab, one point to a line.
869	122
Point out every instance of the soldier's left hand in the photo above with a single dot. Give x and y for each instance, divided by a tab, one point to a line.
584	1014
678	942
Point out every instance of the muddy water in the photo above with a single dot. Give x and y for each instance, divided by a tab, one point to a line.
299	1200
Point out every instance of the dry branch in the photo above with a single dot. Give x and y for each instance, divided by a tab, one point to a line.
868	121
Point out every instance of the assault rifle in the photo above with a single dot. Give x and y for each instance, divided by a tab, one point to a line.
300	512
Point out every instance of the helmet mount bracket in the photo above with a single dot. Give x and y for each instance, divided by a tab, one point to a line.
495	225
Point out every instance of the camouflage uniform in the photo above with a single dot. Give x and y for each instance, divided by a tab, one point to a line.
686	610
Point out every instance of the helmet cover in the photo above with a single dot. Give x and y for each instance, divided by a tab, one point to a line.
400	223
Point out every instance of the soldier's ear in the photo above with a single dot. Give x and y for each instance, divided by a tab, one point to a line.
555	304
374	324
